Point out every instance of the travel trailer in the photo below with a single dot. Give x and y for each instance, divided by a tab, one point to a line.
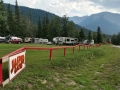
35	40
2	39
65	40
43	41
87	42
92	41
28	40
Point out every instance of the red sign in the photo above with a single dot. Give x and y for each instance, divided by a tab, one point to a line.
16	64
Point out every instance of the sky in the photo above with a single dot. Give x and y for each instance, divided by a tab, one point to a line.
71	7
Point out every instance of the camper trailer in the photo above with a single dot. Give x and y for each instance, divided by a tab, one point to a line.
92	41
43	41
2	39
35	40
28	40
65	40
88	42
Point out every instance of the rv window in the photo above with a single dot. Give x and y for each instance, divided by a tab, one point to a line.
75	39
68	39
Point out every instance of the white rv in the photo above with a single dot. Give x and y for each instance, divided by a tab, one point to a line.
65	40
43	41
2	39
35	40
92	41
87	42
28	40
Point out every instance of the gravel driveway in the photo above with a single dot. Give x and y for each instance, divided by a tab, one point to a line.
116	46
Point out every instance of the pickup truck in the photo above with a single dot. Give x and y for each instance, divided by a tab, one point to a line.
13	39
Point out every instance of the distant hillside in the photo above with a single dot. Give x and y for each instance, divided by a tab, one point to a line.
37	12
77	19
108	22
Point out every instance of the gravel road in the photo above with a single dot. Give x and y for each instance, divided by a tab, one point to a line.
116	46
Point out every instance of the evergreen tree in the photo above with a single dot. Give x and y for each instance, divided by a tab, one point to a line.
17	20
99	36
95	37
44	28
81	35
23	26
57	28
104	38
39	32
52	29
10	21
76	33
65	26
90	37
2	12
114	39
3	26
71	29
118	39
31	27
47	31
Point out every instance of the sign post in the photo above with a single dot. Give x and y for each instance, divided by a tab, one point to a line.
16	64
0	71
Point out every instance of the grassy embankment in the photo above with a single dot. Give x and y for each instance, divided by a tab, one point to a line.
91	69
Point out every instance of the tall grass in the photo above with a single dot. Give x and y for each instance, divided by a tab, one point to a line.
91	69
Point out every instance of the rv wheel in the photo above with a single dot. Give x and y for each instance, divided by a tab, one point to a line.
19	42
9	42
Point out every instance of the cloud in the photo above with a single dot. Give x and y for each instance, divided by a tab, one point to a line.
107	3
71	7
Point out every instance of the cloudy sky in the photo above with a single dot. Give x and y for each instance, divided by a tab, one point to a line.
71	7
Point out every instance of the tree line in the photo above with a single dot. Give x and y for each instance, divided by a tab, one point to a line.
17	24
115	39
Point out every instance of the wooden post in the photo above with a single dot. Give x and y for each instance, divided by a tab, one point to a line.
64	51
79	47
1	75
50	54
73	49
84	47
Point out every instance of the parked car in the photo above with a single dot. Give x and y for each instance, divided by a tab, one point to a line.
49	43
13	39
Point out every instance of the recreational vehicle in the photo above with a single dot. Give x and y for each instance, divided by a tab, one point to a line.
28	40
35	40
43	41
87	42
65	40
2	39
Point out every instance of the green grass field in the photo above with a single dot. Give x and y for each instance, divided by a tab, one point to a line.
91	69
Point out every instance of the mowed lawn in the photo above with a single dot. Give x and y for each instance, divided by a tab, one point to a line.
90	69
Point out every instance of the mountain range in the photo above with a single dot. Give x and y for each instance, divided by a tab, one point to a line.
38	12
107	21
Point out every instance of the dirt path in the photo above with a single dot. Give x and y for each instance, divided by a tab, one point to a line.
116	46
